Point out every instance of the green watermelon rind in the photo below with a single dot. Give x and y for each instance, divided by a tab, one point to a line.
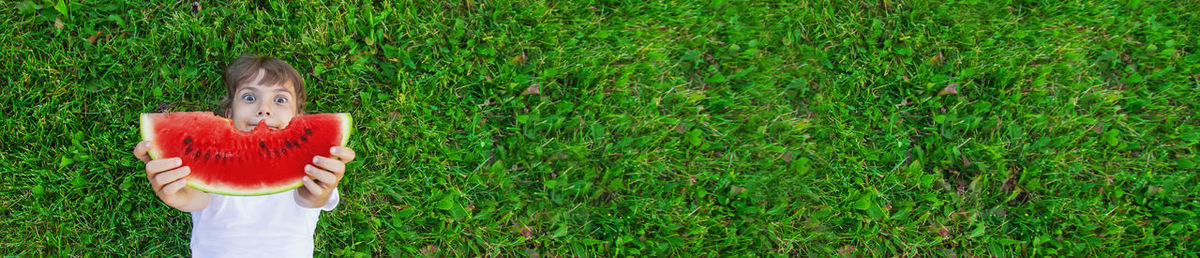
285	188
147	133
347	127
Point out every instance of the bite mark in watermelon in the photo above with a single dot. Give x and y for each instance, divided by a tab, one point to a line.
228	161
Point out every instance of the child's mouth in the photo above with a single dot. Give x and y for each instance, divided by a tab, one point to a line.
262	123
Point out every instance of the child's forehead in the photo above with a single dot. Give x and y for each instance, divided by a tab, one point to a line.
256	83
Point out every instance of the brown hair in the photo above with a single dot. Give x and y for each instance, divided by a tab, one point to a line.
275	72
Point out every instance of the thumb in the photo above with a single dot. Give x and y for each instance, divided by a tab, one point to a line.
142	151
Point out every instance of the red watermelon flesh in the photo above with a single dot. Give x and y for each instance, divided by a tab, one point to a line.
228	161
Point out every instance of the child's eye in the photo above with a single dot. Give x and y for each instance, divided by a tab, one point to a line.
248	98
280	100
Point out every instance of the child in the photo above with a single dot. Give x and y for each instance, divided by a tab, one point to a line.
276	225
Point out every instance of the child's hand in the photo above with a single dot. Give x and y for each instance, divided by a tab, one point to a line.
167	179
323	176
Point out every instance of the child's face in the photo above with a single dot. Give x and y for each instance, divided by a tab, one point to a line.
254	102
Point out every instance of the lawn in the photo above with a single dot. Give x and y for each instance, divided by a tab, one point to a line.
658	128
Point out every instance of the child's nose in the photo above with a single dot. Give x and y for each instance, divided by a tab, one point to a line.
264	110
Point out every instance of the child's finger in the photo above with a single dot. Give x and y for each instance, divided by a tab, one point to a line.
159	165
142	151
323	176
173	175
335	166
312	187
342	153
174	187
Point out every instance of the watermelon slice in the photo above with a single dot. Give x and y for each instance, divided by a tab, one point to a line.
228	161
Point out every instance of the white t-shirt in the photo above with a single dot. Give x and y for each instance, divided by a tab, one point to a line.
256	226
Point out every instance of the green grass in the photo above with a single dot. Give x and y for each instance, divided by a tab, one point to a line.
789	128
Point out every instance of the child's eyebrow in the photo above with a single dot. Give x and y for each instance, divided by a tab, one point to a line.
256	87
249	88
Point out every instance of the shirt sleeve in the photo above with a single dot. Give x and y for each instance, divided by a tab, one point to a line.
333	201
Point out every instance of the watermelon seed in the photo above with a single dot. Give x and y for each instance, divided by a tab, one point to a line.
262	145
187	140
218	157
307	131
304	138
187	150
294	142
288	144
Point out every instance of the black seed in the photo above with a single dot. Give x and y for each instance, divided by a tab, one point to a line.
294	142
187	150
304	138
262	145
218	156
207	155
187	140
288	144
307	131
